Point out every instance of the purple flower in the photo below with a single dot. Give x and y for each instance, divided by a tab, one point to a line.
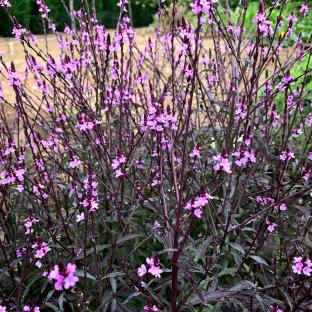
155	271
142	270
80	217
196	205
28	308
5	4
150	308
75	162
264	25
18	31
154	268
14	79
222	163
195	153
304	9
271	226
64	279
41	249
3	308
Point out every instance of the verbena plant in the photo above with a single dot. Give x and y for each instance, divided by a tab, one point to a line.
176	177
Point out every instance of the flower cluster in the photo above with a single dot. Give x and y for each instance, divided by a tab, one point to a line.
151	308
43	8
195	153
264	25
86	124
200	7
117	165
29	223
111	149
40	250
5	3
28	308
244	157
75	162
64	278
153	269
18	31
302	266
3	308
287	155
14	79
90	199
197	204
271	225
304	9
222	163
158	121
240	111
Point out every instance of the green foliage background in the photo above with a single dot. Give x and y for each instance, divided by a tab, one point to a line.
26	12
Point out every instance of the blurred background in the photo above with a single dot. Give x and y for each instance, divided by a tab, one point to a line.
26	12
142	13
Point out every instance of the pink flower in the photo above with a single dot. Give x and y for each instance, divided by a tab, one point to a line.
222	163
264	25
80	217
271	226
20	188
155	270
5	4
197	204
118	173
70	280
3	308
142	270
118	162
304	9
150	261
286	155
28	308
198	213
122	3
75	162
18	31
14	79
41	249
28	223
282	207
307	270
240	111
298	265
64	279
195	153
150	308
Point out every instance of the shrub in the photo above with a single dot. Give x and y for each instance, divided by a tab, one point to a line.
171	178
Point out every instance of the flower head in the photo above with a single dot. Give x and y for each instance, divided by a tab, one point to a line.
63	278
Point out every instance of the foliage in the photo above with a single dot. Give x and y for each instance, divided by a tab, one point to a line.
26	12
173	177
